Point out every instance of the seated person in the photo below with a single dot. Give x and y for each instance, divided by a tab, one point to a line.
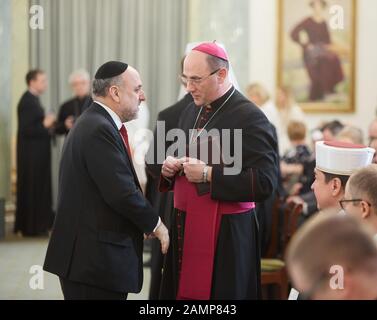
307	199
335	162
331	129
372	136
296	160
350	134
333	257
360	199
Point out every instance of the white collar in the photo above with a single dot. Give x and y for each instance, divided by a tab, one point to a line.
112	114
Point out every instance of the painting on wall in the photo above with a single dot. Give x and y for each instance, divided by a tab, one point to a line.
316	53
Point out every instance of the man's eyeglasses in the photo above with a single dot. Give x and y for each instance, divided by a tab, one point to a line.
343	202
196	80
308	294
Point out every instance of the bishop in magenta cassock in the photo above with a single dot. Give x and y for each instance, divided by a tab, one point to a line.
214	253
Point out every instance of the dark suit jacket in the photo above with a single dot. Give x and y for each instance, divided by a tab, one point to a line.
102	214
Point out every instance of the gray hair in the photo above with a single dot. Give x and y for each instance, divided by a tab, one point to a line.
354	134
217	63
258	89
101	86
81	73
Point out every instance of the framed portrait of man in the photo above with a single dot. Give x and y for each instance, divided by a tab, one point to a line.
316	53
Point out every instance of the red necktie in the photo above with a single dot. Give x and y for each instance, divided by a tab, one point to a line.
124	134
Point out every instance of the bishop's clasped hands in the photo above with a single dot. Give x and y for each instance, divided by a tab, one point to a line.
193	169
196	171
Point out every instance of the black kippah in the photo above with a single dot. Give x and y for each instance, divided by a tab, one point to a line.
111	69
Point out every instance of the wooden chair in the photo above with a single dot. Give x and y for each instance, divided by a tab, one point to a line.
273	246
273	269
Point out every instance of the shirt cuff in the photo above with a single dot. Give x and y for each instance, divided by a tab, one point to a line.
158	224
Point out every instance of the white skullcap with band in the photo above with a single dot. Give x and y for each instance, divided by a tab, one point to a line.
342	158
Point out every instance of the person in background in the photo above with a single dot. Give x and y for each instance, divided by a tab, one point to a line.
307	199
372	130
372	135
350	134
333	257
287	111
295	161
360	198
331	129
34	213
335	162
257	94
70	110
279	112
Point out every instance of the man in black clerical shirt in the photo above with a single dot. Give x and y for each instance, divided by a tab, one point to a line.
73	108
34	215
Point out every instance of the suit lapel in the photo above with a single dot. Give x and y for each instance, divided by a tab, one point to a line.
120	140
102	111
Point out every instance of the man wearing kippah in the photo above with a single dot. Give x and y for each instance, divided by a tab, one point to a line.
215	247
96	246
335	162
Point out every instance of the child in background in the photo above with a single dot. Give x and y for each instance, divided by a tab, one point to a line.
295	161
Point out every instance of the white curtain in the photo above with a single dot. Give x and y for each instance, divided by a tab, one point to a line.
228	23
5	94
148	34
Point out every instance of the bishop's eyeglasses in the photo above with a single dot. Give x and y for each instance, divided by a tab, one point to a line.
196	80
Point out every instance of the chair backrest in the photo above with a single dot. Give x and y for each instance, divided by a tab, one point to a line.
285	218
291	216
273	246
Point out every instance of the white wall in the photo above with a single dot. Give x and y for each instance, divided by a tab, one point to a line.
263	44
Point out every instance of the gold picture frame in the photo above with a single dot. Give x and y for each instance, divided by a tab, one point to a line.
316	53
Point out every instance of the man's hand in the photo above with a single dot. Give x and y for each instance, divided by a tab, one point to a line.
193	169
170	167
296	199
68	123
49	121
295	190
162	234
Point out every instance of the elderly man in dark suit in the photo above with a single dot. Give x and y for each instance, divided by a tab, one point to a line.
97	241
